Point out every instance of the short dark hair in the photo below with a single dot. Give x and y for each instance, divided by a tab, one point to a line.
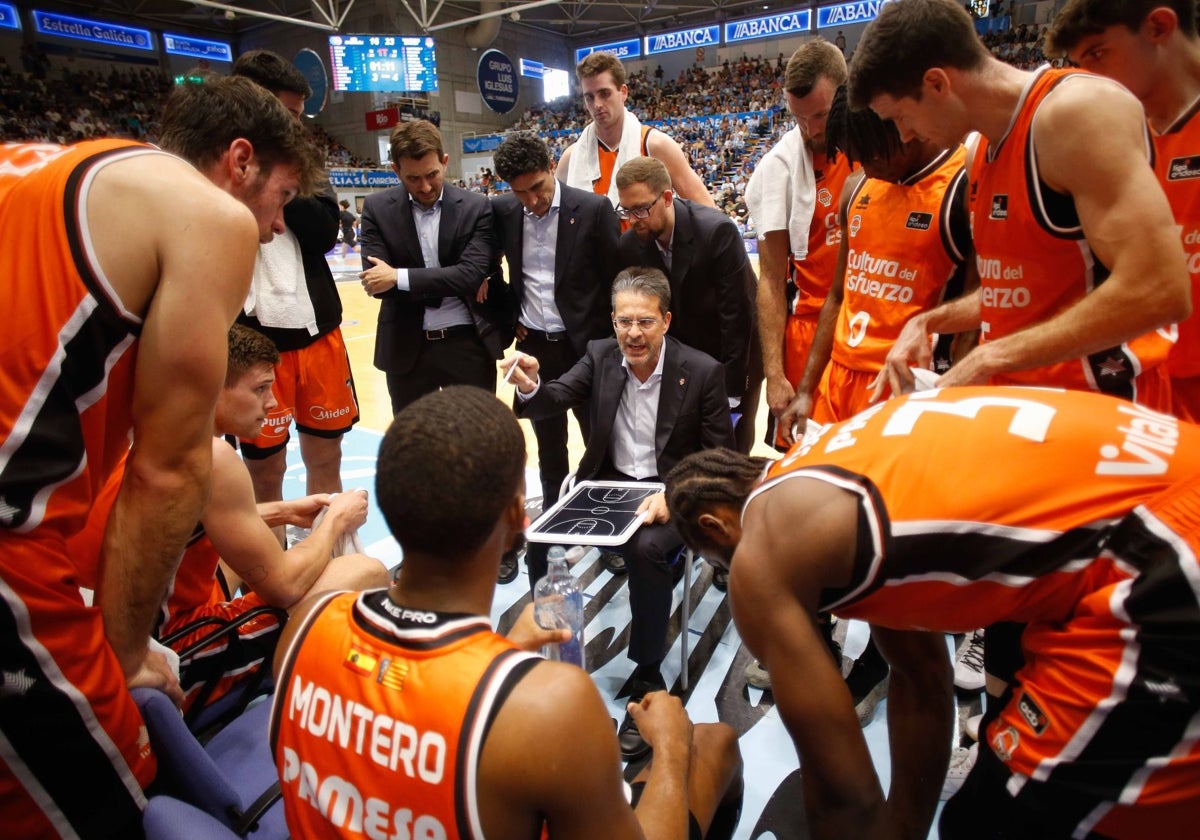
449	465
596	63
812	61
644	281
1080	18
644	170
272	71
706	478
861	135
416	139
907	39
519	154
202	118
247	350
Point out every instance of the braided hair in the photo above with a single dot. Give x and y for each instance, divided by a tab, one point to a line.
861	135
708	478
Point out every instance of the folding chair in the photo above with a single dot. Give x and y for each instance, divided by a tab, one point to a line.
168	818
203	716
232	778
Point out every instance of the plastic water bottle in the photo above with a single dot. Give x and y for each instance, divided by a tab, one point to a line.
558	603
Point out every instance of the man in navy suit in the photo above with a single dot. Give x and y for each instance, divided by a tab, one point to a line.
561	247
427	248
651	401
713	287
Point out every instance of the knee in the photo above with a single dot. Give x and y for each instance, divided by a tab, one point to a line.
364	572
321	453
718	743
268	470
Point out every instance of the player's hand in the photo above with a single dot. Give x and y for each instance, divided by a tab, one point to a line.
655	508
795	416
481	295
522	331
379	278
521	370
663	721
154	672
913	348
975	368
349	510
301	512
780	393
527	634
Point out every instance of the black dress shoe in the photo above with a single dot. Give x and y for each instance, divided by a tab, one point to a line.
720	580
508	568
614	562
633	745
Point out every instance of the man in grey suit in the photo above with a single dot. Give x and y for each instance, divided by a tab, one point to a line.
561	247
427	248
713	287
651	401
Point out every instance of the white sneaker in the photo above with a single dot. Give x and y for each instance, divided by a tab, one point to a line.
757	676
971	727
962	759
866	706
968	663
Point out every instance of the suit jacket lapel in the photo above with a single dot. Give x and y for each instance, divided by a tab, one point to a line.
513	248
447	225
567	225
675	382
407	228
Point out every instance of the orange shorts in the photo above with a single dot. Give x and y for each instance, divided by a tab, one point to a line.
77	754
314	387
842	393
1100	732
255	643
798	332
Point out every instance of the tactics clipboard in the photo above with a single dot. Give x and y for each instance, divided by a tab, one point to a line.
594	513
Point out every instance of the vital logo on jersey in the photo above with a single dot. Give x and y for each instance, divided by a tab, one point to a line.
1183	168
999	207
919	221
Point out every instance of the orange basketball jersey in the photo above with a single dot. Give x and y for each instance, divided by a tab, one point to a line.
68	359
608	163
380	718
813	275
1034	262
943	549
1177	164
901	254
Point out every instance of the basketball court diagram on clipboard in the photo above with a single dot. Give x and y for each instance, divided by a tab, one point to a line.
594	513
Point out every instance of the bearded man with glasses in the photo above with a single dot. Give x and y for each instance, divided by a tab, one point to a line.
651	401
713	287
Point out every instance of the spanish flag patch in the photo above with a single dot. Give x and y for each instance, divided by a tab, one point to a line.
361	661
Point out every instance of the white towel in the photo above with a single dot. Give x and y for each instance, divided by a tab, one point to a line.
278	292
585	159
782	191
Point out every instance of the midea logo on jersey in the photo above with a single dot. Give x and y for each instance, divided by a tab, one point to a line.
999	207
919	221
1183	168
319	413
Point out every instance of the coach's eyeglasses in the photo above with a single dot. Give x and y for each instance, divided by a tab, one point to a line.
636	212
624	325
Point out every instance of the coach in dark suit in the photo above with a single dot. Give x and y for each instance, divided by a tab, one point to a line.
561	247
713	286
427	248
652	400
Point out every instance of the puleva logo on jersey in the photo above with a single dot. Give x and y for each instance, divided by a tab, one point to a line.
1183	168
999	207
919	221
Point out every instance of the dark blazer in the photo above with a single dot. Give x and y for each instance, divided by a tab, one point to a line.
466	250
585	260
713	288
693	411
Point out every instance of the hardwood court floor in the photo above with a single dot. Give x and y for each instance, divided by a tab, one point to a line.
773	808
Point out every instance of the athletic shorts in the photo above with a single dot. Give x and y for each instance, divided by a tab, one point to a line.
798	334
256	643
74	752
314	387
842	393
1101	734
1185	399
